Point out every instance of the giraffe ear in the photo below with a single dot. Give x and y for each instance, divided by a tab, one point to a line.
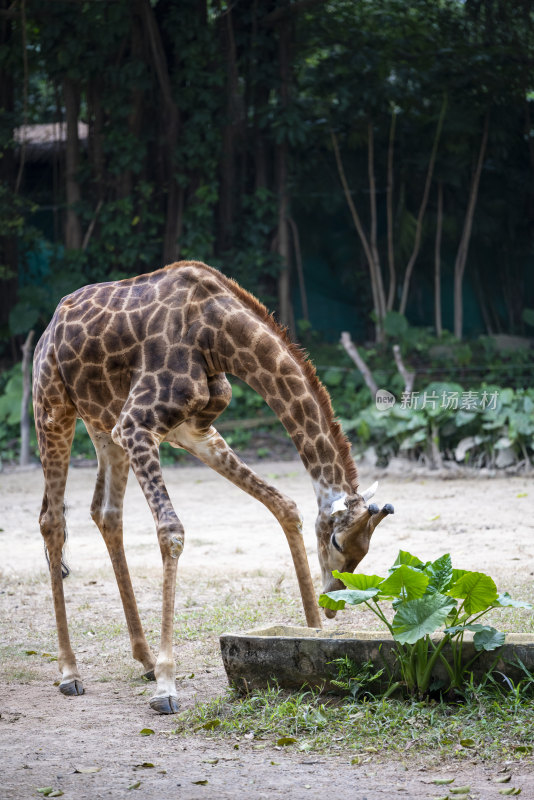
338	506
370	491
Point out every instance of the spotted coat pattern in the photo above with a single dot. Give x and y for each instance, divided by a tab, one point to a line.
142	361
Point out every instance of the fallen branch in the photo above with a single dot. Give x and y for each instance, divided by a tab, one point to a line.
352	351
408	377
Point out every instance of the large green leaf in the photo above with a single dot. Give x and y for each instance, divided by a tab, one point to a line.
420	617
471	626
476	589
328	602
439	573
357	581
407	558
504	600
337	600
457	574
405	582
488	639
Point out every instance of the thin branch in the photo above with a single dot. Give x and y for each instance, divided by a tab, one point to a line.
361	233
352	351
90	229
381	308
348	196
422	209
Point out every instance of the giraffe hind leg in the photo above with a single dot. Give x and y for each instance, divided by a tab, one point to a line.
55	421
65	569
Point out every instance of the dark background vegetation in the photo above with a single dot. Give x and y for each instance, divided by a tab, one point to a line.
361	166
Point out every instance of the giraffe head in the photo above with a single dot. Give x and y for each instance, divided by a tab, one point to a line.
344	534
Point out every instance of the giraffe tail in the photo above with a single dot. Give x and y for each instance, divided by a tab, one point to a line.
65	571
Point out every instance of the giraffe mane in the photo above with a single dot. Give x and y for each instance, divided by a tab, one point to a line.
299	355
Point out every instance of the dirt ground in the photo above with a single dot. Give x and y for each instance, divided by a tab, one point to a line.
89	747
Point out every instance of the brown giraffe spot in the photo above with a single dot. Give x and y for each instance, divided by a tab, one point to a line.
289	423
92	351
325	451
328	474
246	362
283	390
296	386
312	429
286	366
64	353
297	412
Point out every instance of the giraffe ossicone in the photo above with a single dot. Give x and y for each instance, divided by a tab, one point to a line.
142	361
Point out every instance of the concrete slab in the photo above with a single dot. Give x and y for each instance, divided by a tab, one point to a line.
295	657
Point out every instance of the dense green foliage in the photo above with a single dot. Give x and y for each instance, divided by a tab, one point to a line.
428	597
209	135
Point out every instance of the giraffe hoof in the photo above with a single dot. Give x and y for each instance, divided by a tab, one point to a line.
71	688
149	676
165	705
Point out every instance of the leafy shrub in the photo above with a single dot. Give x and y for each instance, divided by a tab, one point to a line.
428	596
474	434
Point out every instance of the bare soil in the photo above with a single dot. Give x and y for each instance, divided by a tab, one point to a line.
90	747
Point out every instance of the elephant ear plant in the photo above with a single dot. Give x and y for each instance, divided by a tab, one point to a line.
427	597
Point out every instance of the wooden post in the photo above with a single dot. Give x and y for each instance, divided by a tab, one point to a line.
26	393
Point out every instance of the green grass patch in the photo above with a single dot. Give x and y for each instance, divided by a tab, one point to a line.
490	724
233	613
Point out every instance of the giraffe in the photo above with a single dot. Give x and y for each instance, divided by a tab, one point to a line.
142	361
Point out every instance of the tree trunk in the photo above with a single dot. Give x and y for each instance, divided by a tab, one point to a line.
422	210
389	209
226	210
8	244
73	228
171	127
437	263
282	237
377	271
96	136
135	117
300	269
22	154
282	234
463	247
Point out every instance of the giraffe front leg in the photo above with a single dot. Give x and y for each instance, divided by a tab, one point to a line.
171	542
106	511
210	447
142	448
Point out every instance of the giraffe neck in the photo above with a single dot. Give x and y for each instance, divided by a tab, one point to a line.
288	383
